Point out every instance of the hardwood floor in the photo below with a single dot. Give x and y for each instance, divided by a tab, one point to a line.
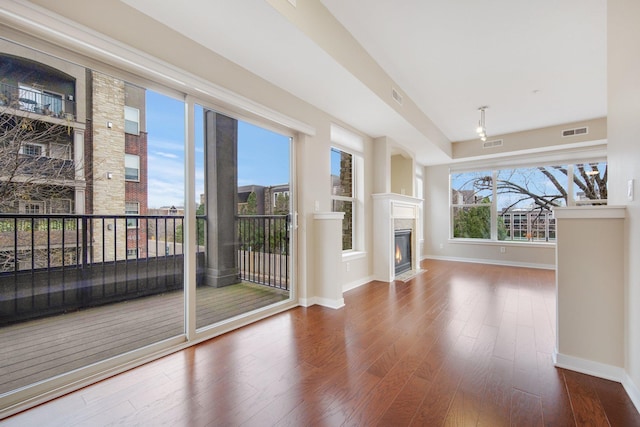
461	344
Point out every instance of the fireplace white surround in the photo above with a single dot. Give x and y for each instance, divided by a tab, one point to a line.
387	208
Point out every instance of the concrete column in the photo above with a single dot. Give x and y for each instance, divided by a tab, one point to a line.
221	137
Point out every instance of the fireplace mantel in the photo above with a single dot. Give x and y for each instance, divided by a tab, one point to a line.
387	207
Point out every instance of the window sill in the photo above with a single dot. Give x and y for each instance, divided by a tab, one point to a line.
353	255
502	243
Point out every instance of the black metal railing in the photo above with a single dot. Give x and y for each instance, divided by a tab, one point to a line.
37	101
58	262
51	263
263	252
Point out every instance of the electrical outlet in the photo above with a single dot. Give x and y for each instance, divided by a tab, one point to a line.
441	245
503	249
348	267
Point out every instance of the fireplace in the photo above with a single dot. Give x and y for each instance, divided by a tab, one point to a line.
402	252
394	213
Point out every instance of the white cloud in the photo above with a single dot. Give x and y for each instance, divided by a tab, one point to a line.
167	155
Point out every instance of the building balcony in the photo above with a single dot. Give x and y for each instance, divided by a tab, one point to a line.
37	101
78	289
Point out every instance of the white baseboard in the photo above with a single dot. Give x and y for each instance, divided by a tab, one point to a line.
330	303
356	284
492	262
601	370
632	390
325	302
307	302
589	367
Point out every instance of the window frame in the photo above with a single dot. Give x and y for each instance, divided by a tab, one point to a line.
495	215
26	205
128	112
26	144
131	223
356	198
137	161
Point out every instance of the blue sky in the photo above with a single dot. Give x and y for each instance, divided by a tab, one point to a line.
263	155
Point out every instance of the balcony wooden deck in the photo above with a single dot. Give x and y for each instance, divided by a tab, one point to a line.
39	349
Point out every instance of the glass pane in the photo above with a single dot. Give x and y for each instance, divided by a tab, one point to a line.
247	245
67	278
341	173
347	222
525	200
590	183
472	222
471	188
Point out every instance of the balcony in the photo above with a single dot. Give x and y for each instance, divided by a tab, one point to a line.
77	289
38	101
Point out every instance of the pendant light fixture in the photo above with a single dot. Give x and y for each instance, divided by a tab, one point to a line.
481	130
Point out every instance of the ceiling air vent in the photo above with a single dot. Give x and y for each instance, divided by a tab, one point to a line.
396	95
576	131
492	144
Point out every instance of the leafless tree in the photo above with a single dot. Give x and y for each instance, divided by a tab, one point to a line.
35	159
524	184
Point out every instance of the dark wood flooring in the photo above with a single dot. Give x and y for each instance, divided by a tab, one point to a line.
461	344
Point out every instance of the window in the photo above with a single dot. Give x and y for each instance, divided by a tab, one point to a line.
31	207
131	167
471	201
60	151
132	120
40	101
517	204
33	149
52	103
60	206
342	199
132	208
132	253
284	194
30	98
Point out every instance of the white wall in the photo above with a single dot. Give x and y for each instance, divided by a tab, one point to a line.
623	45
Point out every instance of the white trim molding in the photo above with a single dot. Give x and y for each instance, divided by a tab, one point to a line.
632	390
330	303
600	370
590	212
492	262
589	367
356	283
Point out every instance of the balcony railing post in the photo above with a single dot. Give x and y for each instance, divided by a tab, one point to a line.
85	242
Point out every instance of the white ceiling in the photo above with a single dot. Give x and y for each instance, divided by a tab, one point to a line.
534	64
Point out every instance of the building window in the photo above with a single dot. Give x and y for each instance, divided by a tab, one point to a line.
131	120
31	207
63	206
342	193
131	167
132	208
132	253
60	151
33	149
517	204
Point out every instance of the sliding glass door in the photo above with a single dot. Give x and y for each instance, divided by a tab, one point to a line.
243	217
